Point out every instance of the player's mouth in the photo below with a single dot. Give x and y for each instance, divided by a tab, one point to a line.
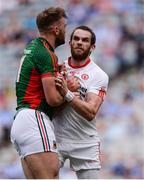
79	49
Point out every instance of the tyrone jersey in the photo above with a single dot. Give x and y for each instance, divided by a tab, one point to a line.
38	61
69	125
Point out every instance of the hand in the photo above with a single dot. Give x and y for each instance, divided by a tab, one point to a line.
76	94
61	85
62	70
73	83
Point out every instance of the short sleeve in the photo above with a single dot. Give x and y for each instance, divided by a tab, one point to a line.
99	85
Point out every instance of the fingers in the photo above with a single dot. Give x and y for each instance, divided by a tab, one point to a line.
72	83
77	94
59	79
60	82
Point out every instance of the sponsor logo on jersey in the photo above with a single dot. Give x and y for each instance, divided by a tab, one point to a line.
82	92
73	73
85	76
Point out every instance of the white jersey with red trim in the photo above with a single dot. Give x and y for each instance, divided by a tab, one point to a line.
69	125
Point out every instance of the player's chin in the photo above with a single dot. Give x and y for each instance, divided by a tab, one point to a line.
79	53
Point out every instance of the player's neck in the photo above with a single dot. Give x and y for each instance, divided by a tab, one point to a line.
79	63
50	39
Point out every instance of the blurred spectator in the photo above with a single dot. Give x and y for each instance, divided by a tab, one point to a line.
24	2
11	5
77	12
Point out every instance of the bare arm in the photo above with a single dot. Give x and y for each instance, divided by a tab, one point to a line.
88	108
53	97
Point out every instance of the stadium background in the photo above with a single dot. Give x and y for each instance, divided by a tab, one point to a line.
118	25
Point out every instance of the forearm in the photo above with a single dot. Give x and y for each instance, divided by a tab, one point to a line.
85	109
52	95
59	100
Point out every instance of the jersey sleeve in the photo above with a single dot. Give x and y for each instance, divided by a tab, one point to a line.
45	64
99	86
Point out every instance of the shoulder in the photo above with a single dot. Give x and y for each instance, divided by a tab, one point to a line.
98	70
34	48
42	50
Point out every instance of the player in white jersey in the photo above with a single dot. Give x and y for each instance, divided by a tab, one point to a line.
75	124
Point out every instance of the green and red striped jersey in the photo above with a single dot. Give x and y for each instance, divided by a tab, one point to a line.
38	61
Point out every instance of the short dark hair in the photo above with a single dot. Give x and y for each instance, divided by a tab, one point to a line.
93	36
47	17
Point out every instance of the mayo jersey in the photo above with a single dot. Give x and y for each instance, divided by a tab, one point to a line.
38	61
69	125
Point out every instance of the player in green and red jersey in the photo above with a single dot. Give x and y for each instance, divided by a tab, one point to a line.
32	130
38	61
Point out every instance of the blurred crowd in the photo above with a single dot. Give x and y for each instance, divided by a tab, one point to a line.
118	25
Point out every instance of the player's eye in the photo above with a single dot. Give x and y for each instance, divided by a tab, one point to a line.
85	40
76	38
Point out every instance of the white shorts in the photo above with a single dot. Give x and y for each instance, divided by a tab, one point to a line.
81	156
32	132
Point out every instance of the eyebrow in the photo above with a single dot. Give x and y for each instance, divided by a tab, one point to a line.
83	38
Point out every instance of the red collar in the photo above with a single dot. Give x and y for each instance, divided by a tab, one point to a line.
76	67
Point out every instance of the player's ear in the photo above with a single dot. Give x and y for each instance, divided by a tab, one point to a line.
93	47
55	30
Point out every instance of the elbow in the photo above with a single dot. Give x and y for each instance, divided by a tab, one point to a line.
55	102
91	116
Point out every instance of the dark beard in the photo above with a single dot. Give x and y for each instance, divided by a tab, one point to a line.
59	40
82	56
